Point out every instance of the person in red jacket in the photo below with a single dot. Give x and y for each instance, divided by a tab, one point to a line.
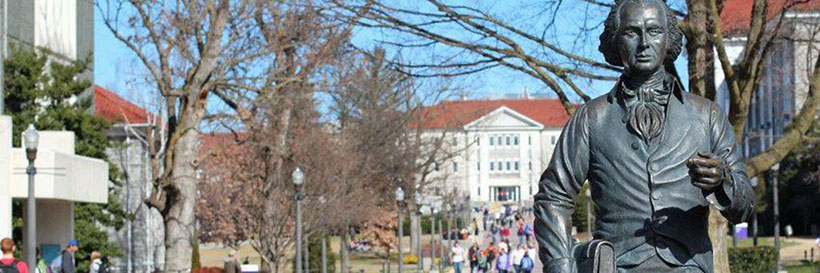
8	263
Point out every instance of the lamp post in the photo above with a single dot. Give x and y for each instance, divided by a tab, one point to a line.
32	139
448	211
432	237
776	202
324	241
420	263
298	179
399	198
754	215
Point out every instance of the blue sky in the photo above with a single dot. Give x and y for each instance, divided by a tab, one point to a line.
117	68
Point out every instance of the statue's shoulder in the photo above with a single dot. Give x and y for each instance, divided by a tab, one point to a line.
700	104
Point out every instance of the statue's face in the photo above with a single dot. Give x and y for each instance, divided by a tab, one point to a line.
642	37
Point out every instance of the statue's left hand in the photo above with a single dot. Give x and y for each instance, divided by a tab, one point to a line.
707	170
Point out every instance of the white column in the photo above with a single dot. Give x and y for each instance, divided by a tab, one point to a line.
5	176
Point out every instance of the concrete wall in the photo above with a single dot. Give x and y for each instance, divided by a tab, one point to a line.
55	222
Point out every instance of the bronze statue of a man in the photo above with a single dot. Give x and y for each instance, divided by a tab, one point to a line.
655	156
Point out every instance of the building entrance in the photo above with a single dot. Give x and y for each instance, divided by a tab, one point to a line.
505	194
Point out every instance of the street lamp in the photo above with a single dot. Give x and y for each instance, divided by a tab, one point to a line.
420	263
31	138
298	181
433	236
399	198
776	201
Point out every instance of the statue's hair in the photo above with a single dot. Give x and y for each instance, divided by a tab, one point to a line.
609	38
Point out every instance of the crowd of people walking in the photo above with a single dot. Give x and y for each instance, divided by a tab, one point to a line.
500	254
64	263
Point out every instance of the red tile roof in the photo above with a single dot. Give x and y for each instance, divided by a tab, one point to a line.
456	114
113	108
736	14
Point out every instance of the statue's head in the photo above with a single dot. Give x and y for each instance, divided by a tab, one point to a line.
641	35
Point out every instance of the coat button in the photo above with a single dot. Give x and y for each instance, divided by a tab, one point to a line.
653	167
656	195
635	145
624	119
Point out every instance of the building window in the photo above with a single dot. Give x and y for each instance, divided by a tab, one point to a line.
508	140
530	165
479	191
455	141
500	165
492	141
553	139
455	166
492	166
478	165
508	166
516	165
529	140
515	140
435	166
500	141
477	141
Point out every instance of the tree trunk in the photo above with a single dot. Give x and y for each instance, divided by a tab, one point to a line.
179	219
343	252
700	50
264	267
718	228
415	232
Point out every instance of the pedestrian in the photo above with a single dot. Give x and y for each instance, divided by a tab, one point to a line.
505	232
232	262
96	262
504	262
491	252
456	256
528	232
69	264
504	246
9	263
527	263
474	253
517	255
521	232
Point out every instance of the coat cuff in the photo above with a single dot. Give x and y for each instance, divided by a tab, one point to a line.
721	197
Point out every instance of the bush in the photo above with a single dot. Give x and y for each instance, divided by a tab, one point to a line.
410	259
761	259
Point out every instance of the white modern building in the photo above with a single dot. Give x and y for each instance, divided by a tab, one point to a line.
496	149
62	179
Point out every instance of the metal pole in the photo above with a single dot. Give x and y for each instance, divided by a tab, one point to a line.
754	228
401	234
776	215
324	253
432	242
31	209
440	244
130	234
298	233
307	253
420	263
449	234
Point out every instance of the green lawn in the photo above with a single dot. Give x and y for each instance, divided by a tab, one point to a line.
803	269
763	241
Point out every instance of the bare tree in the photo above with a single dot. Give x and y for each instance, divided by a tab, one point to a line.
186	48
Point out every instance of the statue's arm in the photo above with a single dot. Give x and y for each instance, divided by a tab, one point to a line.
735	198
559	184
